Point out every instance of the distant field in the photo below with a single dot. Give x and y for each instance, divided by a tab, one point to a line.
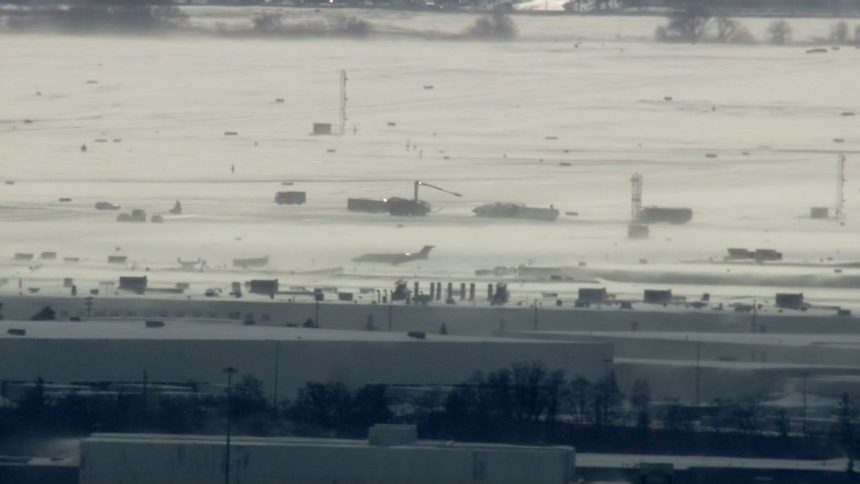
769	114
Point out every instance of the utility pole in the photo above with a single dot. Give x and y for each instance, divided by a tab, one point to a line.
840	188
145	389
698	372
535	318
318	296
277	370
230	371
88	303
754	328
343	99
803	414
606	363
317	313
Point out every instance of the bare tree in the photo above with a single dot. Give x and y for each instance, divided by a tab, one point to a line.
839	33
733	32
527	381
497	25
553	395
846	416
686	25
677	417
781	422
779	31
580	394
606	401
268	21
747	416
640	400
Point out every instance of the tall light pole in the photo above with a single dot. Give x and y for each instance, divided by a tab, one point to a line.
698	371
606	363
803	415
390	315
318	296
230	371
342	107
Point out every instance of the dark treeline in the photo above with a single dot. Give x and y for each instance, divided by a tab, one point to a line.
526	404
779	7
790	5
128	16
698	22
97	15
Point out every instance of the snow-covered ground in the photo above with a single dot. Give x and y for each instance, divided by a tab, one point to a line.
541	121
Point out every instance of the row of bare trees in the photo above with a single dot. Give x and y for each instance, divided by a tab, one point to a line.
527	394
695	24
524	403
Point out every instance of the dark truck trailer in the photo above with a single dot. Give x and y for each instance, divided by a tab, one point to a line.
290	198
736	253
665	214
369	205
404	207
767	254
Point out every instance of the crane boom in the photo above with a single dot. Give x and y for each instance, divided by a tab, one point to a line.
421	183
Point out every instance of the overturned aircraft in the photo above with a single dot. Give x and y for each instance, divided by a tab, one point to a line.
395	258
251	262
516	210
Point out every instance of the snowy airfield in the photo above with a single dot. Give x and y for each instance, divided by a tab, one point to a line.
564	116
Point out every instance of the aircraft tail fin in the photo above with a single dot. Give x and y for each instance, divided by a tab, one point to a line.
425	251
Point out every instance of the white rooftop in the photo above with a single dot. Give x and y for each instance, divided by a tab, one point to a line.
220	330
687	461
582	460
745	338
301	441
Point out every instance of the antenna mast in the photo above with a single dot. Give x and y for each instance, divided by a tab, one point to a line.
840	187
636	195
343	98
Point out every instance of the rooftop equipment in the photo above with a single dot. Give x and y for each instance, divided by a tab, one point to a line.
267	287
136	284
657	296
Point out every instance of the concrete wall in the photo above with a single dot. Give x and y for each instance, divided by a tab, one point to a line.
289	363
185	461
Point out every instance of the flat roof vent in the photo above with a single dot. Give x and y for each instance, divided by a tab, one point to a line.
388	434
